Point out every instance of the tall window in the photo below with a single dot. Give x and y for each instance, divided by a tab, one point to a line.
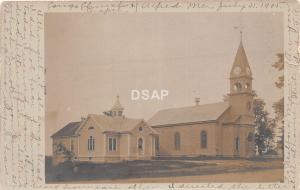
203	139
120	113
60	146
91	144
157	143
112	144
72	145
140	145
237	143
177	141
250	137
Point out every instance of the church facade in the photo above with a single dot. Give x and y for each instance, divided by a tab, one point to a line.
224	129
219	129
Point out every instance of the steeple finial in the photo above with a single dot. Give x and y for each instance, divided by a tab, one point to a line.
241	29
241	35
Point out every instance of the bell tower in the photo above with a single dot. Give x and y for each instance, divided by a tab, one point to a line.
241	94
116	110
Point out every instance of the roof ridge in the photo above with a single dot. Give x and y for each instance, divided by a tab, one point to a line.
204	112
200	105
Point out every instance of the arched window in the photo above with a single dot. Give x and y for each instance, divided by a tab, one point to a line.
177	141
249	106
237	86
91	144
237	143
141	145
247	85
250	137
203	139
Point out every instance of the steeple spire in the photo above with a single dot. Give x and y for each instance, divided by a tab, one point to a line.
240	65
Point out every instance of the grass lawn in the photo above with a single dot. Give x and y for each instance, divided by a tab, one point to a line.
167	171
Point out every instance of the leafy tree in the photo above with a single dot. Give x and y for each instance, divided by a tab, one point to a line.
263	132
279	105
67	154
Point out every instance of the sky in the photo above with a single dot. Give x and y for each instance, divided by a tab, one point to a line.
92	58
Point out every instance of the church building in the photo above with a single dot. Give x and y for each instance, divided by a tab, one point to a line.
224	129
220	129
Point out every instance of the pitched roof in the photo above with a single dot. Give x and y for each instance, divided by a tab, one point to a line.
241	61
68	130
115	124
192	114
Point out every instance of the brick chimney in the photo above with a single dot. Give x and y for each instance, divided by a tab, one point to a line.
197	101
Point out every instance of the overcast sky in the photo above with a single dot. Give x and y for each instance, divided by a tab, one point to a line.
90	58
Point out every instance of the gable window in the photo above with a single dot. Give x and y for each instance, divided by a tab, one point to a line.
177	141
237	143
91	128
203	139
91	143
141	128
112	144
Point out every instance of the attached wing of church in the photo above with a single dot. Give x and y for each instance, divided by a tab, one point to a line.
104	138
219	129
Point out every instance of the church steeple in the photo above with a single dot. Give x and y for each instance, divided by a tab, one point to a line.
241	94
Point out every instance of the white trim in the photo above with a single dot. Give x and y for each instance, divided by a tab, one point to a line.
151	145
70	143
78	146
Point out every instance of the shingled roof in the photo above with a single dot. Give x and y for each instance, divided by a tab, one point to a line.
115	124
192	114
68	130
